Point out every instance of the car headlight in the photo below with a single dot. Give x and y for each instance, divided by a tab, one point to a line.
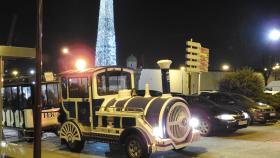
260	103
259	110
157	132
246	115
226	117
194	122
255	110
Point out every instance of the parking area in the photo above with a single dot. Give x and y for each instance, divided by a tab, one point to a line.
257	141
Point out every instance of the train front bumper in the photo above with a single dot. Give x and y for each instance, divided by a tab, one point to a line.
168	144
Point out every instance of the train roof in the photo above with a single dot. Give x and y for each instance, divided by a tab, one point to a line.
92	70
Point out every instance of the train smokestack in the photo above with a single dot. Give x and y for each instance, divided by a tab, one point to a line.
164	66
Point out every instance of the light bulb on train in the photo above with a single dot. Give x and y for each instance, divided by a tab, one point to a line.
194	122
157	132
3	144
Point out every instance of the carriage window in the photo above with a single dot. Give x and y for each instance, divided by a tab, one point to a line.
52	94
78	87
116	81
14	97
25	99
64	87
7	100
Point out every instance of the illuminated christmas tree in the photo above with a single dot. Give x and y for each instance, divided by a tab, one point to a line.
106	44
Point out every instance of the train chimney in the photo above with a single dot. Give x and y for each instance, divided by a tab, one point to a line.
164	66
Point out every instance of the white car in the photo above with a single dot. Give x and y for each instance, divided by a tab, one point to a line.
271	92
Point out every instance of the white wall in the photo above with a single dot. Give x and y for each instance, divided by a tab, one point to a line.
153	77
209	80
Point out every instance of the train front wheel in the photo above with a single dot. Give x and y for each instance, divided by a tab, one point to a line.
71	134
136	147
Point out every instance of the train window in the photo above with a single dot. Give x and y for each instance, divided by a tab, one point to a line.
101	84
78	87
117	80
52	94
84	87
49	95
64	87
44	96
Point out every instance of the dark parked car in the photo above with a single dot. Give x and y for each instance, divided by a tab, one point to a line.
153	93
257	113
214	118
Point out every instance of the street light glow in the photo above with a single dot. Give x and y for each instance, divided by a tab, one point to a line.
81	64
65	50
15	72
182	68
274	35
225	67
32	72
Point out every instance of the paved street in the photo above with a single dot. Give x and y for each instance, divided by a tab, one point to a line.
257	141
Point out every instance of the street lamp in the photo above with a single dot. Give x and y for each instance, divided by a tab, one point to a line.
81	64
182	68
274	35
15	72
32	72
225	67
65	50
275	68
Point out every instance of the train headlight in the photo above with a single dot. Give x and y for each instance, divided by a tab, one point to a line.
226	117
246	115
157	132
194	122
3	144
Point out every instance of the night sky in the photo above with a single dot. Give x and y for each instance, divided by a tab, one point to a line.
234	31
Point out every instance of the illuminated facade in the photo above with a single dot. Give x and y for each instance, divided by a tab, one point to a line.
106	44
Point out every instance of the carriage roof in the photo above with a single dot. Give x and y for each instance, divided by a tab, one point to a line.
92	70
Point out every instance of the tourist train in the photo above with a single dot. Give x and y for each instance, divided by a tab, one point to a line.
100	104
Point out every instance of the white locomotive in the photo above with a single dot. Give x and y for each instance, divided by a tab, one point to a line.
99	105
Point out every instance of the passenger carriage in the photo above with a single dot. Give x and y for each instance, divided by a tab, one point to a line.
18	101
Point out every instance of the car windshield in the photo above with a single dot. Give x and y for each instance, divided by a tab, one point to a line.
200	100
245	100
